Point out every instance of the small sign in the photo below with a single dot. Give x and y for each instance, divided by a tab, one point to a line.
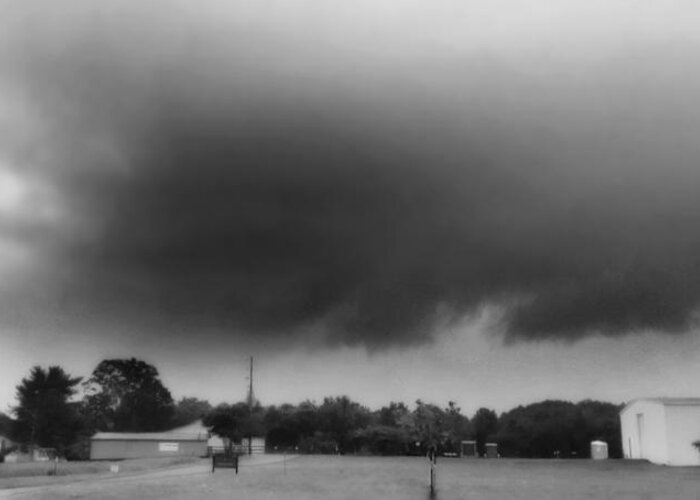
224	460
168	447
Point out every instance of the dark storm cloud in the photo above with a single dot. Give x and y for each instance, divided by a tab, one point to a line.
265	174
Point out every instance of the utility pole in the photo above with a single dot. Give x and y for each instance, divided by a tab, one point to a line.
250	388
250	409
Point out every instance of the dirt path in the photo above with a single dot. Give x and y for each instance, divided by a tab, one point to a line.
87	486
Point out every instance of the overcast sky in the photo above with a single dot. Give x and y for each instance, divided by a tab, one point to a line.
491	202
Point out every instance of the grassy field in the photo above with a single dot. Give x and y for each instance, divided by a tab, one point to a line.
335	478
33	473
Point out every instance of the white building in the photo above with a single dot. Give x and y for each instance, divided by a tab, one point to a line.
662	430
216	444
599	450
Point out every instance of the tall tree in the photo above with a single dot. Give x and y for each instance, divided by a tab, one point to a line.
602	422
282	426
559	428
485	425
340	417
6	425
457	427
127	395
45	415
393	415
235	421
187	410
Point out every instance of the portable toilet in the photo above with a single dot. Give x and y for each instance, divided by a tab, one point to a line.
491	450
599	450
468	449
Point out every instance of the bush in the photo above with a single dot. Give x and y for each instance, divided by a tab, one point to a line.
318	443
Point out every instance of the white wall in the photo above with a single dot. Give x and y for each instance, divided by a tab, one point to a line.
649	442
116	449
683	428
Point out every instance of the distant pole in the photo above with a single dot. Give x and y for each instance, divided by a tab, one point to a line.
432	459
250	388
250	409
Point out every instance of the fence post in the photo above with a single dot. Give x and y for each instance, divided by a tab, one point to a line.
432	459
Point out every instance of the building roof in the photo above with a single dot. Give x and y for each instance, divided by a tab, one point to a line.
195	431
8	441
149	436
665	401
196	427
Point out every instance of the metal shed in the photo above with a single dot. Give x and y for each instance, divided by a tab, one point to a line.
121	445
662	430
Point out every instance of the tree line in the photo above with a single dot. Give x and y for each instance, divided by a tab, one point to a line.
127	395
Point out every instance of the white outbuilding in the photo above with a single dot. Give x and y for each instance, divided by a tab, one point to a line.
661	430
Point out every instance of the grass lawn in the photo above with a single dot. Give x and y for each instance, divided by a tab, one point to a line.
406	478
35	473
